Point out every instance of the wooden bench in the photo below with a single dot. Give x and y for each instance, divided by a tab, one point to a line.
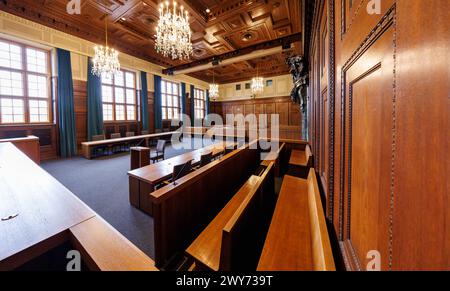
233	240
182	211
277	157
103	248
300	162
298	236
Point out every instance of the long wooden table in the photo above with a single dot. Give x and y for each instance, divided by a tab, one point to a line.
89	145
39	214
142	181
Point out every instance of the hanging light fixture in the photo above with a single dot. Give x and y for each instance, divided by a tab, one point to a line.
106	60
173	34
214	89
257	83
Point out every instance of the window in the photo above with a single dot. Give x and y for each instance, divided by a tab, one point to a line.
119	97
238	87
199	103
170	100
269	83
24	84
247	86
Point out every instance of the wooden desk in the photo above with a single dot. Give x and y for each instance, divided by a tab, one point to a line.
142	181
45	213
29	145
45	208
89	145
206	248
298	238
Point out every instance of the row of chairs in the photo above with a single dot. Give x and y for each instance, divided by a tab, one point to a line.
111	149
182	170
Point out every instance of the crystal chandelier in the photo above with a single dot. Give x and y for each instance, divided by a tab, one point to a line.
257	83
214	89
173	34
106	60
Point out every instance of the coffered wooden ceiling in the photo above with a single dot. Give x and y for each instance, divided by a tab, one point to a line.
231	25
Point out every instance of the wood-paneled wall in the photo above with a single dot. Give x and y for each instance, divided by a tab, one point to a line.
290	116
379	127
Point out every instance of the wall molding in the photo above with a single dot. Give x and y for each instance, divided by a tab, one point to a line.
385	22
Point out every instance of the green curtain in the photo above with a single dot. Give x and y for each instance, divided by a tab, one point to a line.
94	103
207	109
144	101
183	98
66	113
158	109
192	104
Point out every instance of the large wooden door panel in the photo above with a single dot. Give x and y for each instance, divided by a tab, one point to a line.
367	148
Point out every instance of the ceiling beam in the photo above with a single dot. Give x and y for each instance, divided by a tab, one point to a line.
236	54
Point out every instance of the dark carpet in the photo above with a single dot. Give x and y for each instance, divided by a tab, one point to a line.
102	184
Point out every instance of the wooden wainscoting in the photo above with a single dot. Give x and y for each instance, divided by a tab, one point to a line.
379	113
290	116
46	133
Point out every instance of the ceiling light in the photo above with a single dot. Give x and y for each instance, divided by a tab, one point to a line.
173	33
214	89
106	60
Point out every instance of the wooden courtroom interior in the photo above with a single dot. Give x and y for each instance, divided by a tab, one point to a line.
250	135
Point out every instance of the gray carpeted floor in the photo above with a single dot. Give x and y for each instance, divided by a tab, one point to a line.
102	184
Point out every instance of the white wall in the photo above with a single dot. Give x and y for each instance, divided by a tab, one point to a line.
281	86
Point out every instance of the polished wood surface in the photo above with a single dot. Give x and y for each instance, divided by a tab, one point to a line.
143	181
244	234
39	214
176	225
301	158
28	145
89	145
206	248
139	157
298	237
162	170
103	248
290	116
47	134
369	121
45	209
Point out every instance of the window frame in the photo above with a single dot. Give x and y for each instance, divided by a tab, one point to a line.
25	97
202	101
165	82
113	87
